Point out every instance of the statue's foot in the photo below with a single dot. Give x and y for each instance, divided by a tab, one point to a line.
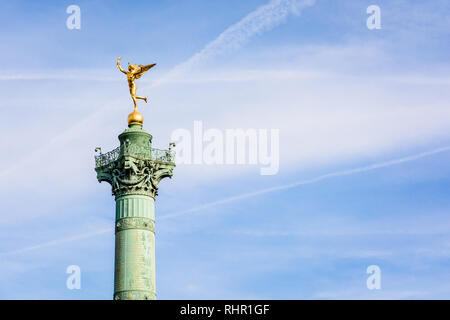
145	99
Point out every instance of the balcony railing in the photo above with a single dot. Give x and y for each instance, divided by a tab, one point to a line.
104	159
162	155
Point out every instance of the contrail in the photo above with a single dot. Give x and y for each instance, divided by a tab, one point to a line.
58	241
357	170
310	181
256	22
262	19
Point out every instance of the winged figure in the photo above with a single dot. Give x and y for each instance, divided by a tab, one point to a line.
134	72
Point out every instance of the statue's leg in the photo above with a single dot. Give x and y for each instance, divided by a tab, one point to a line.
133	93
134	101
142	98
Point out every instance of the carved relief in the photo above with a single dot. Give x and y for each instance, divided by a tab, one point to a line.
135	223
132	175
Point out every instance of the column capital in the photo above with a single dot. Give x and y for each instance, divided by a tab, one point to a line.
134	168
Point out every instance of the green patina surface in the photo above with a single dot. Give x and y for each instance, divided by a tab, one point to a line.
134	171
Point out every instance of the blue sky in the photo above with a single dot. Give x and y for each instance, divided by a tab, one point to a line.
343	97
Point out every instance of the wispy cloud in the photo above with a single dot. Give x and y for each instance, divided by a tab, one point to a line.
256	22
357	170
374	166
340	95
58	241
262	19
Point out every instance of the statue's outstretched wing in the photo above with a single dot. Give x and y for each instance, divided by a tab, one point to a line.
144	69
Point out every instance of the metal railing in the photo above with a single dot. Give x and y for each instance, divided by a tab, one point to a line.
104	159
163	155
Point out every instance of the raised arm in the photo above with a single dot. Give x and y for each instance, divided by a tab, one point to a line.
118	65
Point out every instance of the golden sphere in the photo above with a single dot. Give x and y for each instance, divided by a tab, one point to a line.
135	117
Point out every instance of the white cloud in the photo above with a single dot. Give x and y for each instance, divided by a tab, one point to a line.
329	103
325	117
262	19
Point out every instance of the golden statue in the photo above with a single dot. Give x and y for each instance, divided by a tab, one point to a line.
135	72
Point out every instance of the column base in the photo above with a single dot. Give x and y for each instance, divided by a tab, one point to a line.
134	295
